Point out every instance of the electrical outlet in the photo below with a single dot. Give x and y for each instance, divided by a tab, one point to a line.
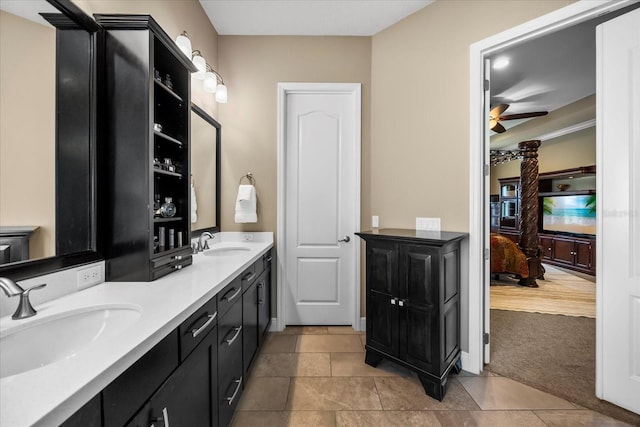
375	221
428	224
247	237
90	276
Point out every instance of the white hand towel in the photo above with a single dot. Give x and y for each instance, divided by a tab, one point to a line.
246	204
194	204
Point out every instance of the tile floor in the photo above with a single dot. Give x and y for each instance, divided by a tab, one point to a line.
316	376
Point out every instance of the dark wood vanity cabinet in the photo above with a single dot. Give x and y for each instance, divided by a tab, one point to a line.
413	302
147	159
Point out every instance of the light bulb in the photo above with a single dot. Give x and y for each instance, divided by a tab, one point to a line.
201	65
210	82
221	94
184	44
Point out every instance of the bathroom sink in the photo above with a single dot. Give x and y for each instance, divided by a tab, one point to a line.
51	339
226	251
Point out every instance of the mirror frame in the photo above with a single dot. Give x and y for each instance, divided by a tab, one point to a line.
213	122
31	268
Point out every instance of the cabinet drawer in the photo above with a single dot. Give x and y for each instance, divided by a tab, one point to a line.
127	393
228	296
230	335
248	276
197	326
171	266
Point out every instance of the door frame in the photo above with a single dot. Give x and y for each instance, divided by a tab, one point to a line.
472	360
284	89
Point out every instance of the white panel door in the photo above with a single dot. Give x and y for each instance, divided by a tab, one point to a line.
618	251
322	146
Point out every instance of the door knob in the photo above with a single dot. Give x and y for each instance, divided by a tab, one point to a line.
346	239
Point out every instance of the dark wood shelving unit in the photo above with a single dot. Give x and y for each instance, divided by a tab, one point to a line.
135	47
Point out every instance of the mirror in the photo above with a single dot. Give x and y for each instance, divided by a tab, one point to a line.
47	137
205	172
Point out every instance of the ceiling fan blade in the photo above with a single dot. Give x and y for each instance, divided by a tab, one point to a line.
497	110
498	128
523	115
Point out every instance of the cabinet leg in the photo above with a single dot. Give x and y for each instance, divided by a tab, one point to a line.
435	389
372	359
457	367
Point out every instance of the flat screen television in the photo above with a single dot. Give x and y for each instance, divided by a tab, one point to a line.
569	214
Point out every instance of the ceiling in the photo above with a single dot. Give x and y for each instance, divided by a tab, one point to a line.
550	73
307	17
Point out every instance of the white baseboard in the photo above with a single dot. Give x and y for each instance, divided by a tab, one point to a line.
467	364
363	324
274	325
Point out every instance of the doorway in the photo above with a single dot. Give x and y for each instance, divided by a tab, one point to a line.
318	204
566	17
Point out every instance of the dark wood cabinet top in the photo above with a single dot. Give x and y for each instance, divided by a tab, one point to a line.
417	236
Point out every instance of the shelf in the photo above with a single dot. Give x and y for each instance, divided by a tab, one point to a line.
167	137
169	91
162	220
164	172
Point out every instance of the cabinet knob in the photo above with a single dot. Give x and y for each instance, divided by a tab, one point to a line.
177	267
393	301
401	303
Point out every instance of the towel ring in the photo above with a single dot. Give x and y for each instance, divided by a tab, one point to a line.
249	177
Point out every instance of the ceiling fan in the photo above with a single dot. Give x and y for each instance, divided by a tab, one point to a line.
495	116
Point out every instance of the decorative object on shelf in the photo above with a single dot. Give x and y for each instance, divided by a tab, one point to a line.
156	205
212	80
563	187
497	157
156	75
156	163
168	208
157	127
168	165
167	81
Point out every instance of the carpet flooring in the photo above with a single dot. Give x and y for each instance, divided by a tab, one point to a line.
553	353
559	293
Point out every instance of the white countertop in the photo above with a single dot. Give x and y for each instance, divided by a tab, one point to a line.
50	394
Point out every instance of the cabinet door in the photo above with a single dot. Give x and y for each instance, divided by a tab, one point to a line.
563	251
90	415
583	254
419	295
230	379
184	399
546	243
264	304
249	326
382	286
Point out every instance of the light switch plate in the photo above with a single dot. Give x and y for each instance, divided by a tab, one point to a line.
375	221
428	224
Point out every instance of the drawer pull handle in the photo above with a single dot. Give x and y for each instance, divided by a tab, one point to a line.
269	258
225	297
235	393
177	267
260	293
177	257
235	336
196	332
393	301
249	277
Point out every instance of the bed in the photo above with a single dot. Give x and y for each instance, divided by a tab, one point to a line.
506	257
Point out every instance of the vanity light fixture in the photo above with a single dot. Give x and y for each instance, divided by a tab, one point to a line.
200	63
184	43
212	80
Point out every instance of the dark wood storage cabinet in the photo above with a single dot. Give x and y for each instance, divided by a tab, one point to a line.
413	302
574	253
147	149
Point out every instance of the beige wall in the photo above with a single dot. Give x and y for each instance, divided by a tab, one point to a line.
252	67
569	151
27	129
420	105
174	16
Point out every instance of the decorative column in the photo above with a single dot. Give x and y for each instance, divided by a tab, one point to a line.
528	241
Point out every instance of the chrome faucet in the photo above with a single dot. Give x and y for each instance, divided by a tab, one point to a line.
12	289
205	245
